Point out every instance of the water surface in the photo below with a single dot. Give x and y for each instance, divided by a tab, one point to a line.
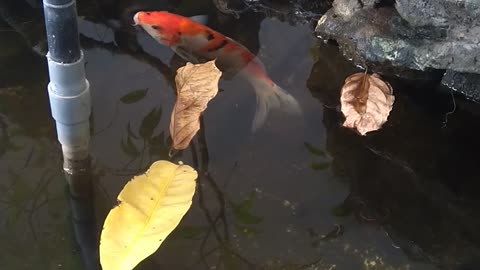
300	193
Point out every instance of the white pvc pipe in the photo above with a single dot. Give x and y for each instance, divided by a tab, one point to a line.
69	93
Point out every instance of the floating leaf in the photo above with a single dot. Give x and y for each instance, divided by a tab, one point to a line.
315	151
130	131
134	96
149	123
320	166
158	145
242	213
245	217
341	210
196	86
366	102
129	147
313	53
158	140
150	206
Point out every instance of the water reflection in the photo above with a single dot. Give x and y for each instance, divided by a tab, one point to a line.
81	194
415	178
26	20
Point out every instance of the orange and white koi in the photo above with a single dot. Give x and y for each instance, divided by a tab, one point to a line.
197	43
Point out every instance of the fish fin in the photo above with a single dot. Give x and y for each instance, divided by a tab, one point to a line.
186	54
201	19
271	96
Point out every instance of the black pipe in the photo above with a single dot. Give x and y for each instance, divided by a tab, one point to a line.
82	198
62	30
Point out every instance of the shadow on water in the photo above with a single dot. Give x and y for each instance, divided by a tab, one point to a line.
298	194
416	177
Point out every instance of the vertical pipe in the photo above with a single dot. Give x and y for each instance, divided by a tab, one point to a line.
69	94
68	90
83	216
62	30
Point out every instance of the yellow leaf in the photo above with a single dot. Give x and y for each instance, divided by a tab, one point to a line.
150	206
366	101
196	86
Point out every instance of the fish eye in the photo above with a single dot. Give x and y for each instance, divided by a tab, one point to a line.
156	27
148	13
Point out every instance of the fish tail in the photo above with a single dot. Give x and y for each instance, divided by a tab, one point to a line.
271	96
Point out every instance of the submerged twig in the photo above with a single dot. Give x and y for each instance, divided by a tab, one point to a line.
445	122
204	177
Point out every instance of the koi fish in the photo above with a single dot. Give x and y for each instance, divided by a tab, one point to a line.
197	43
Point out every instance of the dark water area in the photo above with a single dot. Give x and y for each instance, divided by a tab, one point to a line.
301	193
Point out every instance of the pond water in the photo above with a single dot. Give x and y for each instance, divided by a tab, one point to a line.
300	193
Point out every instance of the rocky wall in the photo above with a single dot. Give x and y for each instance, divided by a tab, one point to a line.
398	37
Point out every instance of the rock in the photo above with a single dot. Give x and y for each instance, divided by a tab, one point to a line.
465	83
409	36
381	37
346	8
370	3
421	13
440	13
375	38
292	11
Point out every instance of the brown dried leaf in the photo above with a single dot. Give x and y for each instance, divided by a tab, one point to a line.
196	86
366	102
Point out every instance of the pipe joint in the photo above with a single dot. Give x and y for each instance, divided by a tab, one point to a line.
69	94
